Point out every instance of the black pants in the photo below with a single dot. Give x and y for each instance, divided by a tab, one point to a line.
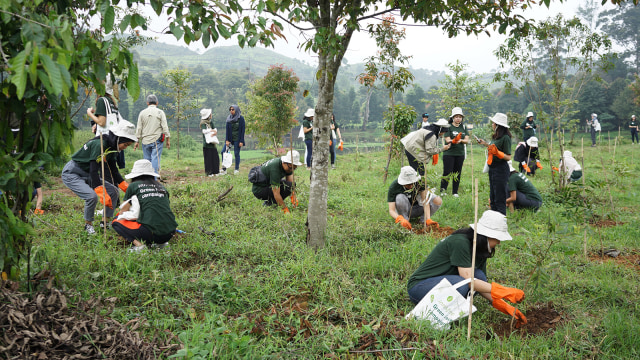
142	234
414	163
266	194
498	187
451	164
593	135
634	134
522	202
211	160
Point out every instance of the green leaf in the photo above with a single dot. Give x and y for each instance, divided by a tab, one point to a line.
157	6
223	30
125	22
33	67
132	80
214	34
109	18
19	78
54	73
176	31
206	39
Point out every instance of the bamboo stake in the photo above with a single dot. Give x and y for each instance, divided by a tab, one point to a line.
583	197
293	173
473	257
104	189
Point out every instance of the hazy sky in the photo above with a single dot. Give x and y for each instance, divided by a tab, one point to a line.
429	47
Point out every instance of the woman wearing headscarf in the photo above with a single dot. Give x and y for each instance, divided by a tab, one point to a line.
146	214
234	135
209	150
307	128
453	158
499	152
452	257
82	174
421	146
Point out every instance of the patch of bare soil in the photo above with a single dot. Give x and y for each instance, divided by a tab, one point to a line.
42	325
441	232
599	222
541	319
630	260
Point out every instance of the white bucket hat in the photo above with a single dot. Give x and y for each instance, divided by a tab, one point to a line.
310	113
456	111
205	113
141	167
633	116
288	158
511	168
125	129
493	224
594	114
529	114
442	123
408	175
532	141
500	119
108	85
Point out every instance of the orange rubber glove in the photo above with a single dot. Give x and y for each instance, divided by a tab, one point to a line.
294	200
286	210
340	146
555	168
430	222
502	292
538	164
526	167
123	186
456	139
493	150
511	311
434	159
38	211
404	222
104	198
489	159
330	142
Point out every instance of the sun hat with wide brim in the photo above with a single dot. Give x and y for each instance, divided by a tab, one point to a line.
442	123
408	175
205	113
289	159
456	111
493	224
500	119
532	141
310	113
529	114
141	167
125	129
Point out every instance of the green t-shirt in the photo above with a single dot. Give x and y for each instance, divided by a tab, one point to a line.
452	252
235	131
412	194
456	149
520	182
155	210
633	123
101	108
527	133
89	152
205	144
503	144
307	124
273	171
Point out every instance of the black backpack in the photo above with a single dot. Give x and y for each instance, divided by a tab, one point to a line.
256	175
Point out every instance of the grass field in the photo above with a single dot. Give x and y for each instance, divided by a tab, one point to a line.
241	282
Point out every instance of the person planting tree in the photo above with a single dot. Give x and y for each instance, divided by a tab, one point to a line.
451	259
421	146
408	198
522	193
273	180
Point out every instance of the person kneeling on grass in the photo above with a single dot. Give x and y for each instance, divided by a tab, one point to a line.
275	181
451	260
146	213
522	193
407	197
570	167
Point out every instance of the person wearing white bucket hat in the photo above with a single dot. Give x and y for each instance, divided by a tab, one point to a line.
451	259
408	198
527	155
569	166
528	127
421	146
82	174
522	193
499	152
209	150
274	182
151	222
594	126
634	127
453	158
307	129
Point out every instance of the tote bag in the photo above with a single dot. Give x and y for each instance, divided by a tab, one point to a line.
227	158
442	305
112	119
209	137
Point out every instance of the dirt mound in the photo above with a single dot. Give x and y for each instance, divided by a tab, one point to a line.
541	318
630	260
44	326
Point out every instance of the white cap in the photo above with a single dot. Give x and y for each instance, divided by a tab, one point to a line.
289	159
456	111
500	119
141	167
205	113
493	224
408	175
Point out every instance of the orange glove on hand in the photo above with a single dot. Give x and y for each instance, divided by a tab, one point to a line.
330	142
404	222
502	292
294	199
555	168
340	146
123	186
434	159
456	139
38	211
104	198
430	222
489	159
511	311
526	167
493	150
538	164
286	210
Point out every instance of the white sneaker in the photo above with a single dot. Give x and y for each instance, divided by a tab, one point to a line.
455	195
137	249
235	172
89	229
222	172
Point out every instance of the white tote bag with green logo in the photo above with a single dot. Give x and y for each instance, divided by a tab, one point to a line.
442	305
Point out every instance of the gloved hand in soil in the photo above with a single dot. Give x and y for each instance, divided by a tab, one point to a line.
511	311
123	186
286	210
538	164
456	139
430	222
502	292
104	198
434	159
404	222
294	199
526	167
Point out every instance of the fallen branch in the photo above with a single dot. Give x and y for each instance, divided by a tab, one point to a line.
224	194
382	350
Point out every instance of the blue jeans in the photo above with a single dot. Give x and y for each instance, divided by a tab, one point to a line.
309	144
236	153
153	153
419	290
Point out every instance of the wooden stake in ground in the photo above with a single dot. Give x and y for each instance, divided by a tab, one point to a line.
583	196
104	189
473	256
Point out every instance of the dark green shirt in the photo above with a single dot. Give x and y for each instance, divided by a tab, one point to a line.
273	171
87	159
307	124
155	210
503	144
520	182
527	133
452	252
101	109
456	149
633	123
412	194
235	132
